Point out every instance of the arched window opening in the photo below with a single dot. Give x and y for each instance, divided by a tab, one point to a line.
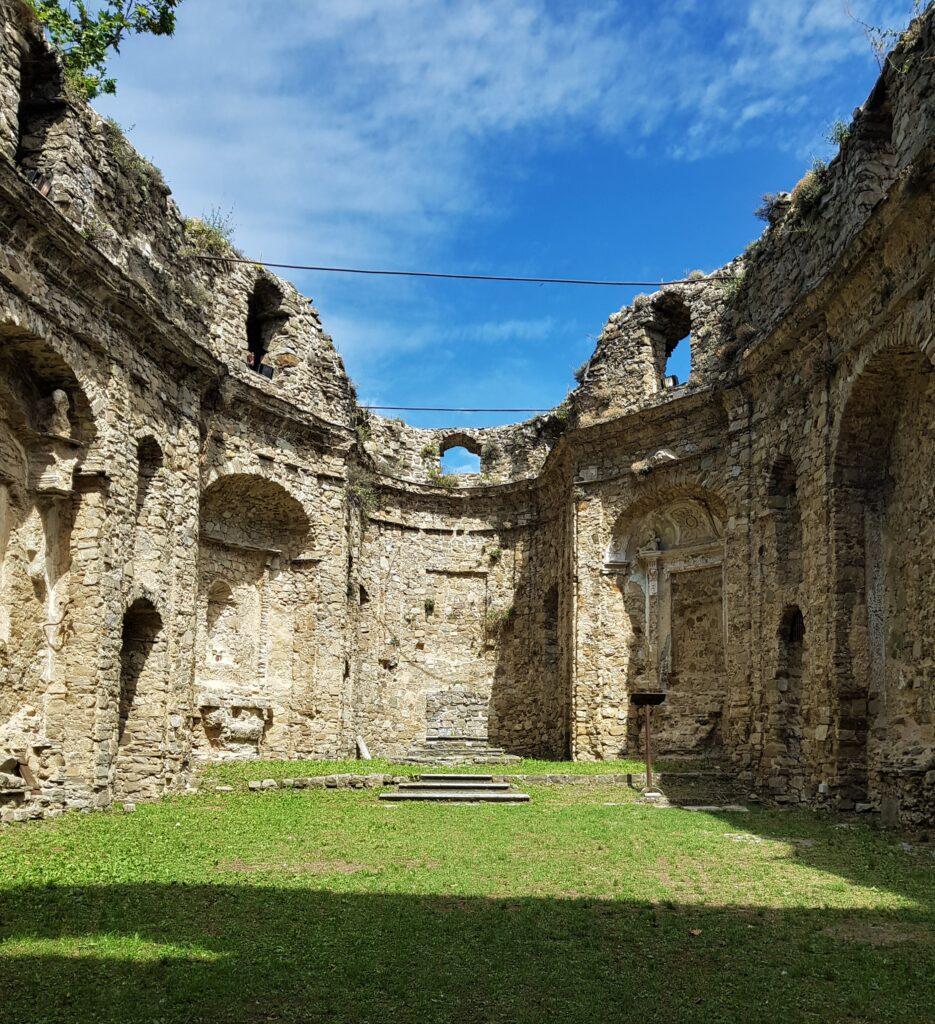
460	453
40	108
670	330
148	463
460	460
142	627
264	319
678	363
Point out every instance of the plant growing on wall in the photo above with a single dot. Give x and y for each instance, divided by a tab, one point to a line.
443	480
209	235
810	189
430	606
361	490
562	412
128	160
768	208
497	621
883	39
839	133
363	431
85	38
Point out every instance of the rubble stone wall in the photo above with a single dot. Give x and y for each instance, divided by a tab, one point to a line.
209	551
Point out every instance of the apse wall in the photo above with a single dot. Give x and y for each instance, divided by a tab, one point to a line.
208	551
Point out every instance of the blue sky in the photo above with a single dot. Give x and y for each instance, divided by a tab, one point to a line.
530	137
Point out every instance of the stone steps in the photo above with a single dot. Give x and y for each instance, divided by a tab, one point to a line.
454	796
452	777
456	789
457	750
487	787
433	754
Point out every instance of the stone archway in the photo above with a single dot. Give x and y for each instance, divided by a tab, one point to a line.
882	735
46	428
256	595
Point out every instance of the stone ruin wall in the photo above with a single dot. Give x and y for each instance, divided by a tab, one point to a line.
200	562
507	454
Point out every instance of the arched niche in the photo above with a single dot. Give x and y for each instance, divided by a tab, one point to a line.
785	520
666	556
141	720
42	393
883	542
664	522
149	460
785	728
256	595
228	651
252	511
46	427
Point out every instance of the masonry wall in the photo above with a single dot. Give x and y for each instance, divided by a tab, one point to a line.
208	551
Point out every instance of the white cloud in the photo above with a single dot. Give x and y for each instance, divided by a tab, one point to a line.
368	338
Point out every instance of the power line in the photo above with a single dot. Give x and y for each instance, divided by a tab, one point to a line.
441	408
468	277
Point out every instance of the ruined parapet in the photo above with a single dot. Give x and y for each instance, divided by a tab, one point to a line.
628	368
886	148
85	167
411	454
269	335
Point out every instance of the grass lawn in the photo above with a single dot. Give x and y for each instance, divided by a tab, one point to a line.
329	906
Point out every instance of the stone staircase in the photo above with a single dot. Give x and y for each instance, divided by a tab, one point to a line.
456	789
455	750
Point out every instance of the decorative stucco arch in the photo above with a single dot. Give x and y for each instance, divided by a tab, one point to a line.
678	515
668	546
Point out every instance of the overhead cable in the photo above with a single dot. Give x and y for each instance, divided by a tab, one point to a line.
467	277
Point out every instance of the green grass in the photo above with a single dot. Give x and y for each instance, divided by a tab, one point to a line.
582	906
247	771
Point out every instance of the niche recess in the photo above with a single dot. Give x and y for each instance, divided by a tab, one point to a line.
140	682
41	107
783	502
264	321
148	463
789	681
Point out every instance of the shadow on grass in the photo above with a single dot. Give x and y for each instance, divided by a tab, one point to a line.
172	953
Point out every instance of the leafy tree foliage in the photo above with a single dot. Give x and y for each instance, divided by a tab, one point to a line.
85	33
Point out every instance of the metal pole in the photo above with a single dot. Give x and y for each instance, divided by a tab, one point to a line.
649	751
